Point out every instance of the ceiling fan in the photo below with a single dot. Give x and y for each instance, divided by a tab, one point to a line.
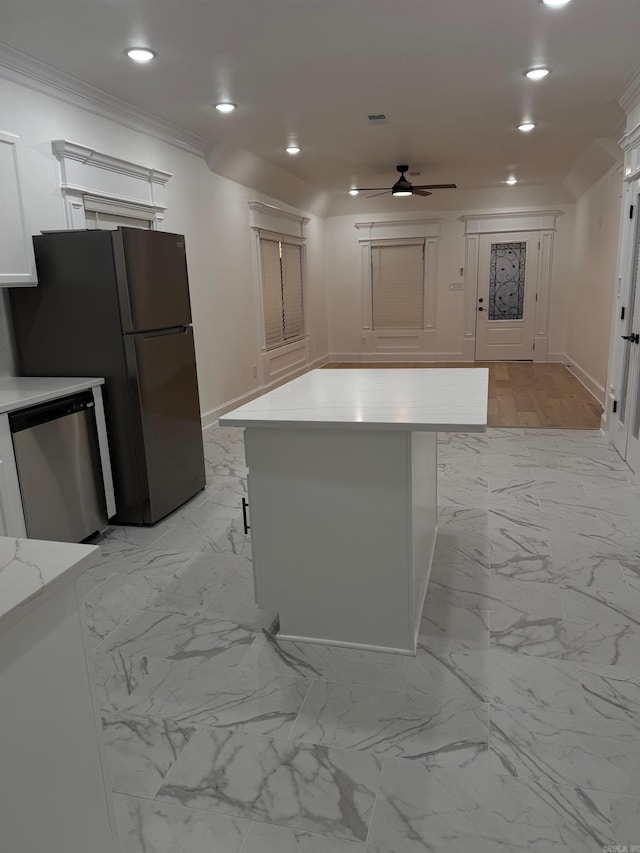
403	187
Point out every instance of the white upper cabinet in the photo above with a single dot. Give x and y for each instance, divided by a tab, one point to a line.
17	265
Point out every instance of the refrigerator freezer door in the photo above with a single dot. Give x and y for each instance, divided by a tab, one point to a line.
164	387
152	279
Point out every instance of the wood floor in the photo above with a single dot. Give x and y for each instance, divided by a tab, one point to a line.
521	394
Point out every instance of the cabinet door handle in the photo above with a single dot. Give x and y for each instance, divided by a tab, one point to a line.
245	507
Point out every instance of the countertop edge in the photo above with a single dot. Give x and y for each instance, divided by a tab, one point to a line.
76	384
65	577
352	425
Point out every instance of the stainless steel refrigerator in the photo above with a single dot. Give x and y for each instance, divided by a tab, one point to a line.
116	304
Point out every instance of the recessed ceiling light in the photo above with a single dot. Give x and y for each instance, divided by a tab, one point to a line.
511	181
354	192
537	73
526	126
225	107
140	54
292	149
556	4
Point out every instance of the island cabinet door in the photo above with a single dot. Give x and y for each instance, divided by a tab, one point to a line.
331	531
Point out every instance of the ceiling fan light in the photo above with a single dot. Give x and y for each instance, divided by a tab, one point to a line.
401	193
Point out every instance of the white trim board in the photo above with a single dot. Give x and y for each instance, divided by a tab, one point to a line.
94	180
510	220
398	229
390	358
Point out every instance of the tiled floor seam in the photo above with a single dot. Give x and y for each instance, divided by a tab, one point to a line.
375	799
302	704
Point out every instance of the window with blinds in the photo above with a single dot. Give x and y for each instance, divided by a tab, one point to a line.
281	267
397	286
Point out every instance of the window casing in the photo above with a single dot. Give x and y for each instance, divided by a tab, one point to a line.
282	277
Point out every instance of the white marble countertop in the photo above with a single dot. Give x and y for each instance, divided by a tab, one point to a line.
31	570
425	399
19	392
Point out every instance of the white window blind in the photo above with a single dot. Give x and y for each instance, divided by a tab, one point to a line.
282	300
397	291
292	291
271	291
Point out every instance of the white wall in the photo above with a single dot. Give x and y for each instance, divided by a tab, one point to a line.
344	281
593	286
211	211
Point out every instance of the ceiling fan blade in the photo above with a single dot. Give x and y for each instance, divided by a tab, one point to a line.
435	186
417	191
377	194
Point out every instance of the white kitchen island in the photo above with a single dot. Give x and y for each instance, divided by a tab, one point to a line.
343	497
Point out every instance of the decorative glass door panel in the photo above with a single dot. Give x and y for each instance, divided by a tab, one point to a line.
506	306
506	281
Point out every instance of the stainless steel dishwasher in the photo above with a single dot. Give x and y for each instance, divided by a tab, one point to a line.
58	461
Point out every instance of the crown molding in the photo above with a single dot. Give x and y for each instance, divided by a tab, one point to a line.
63	149
272	210
26	71
629	98
515	220
268	217
397	229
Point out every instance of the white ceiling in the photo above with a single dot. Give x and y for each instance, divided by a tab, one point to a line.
448	74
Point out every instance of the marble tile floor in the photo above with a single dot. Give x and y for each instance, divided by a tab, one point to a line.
515	727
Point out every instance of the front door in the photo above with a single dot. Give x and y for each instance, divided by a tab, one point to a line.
506	305
626	424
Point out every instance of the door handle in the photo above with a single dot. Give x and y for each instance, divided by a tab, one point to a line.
635	339
245	506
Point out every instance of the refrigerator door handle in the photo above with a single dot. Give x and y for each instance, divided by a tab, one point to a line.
161	333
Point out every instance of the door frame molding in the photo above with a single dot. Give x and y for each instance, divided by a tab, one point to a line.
476	225
626	253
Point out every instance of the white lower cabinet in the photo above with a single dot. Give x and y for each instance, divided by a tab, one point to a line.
343	528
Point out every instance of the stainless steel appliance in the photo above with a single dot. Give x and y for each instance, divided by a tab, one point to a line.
58	461
116	304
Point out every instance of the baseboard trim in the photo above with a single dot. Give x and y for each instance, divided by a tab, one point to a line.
210	418
344	645
391	357
596	390
592	385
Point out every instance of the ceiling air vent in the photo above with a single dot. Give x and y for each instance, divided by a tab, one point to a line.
415	174
377	118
